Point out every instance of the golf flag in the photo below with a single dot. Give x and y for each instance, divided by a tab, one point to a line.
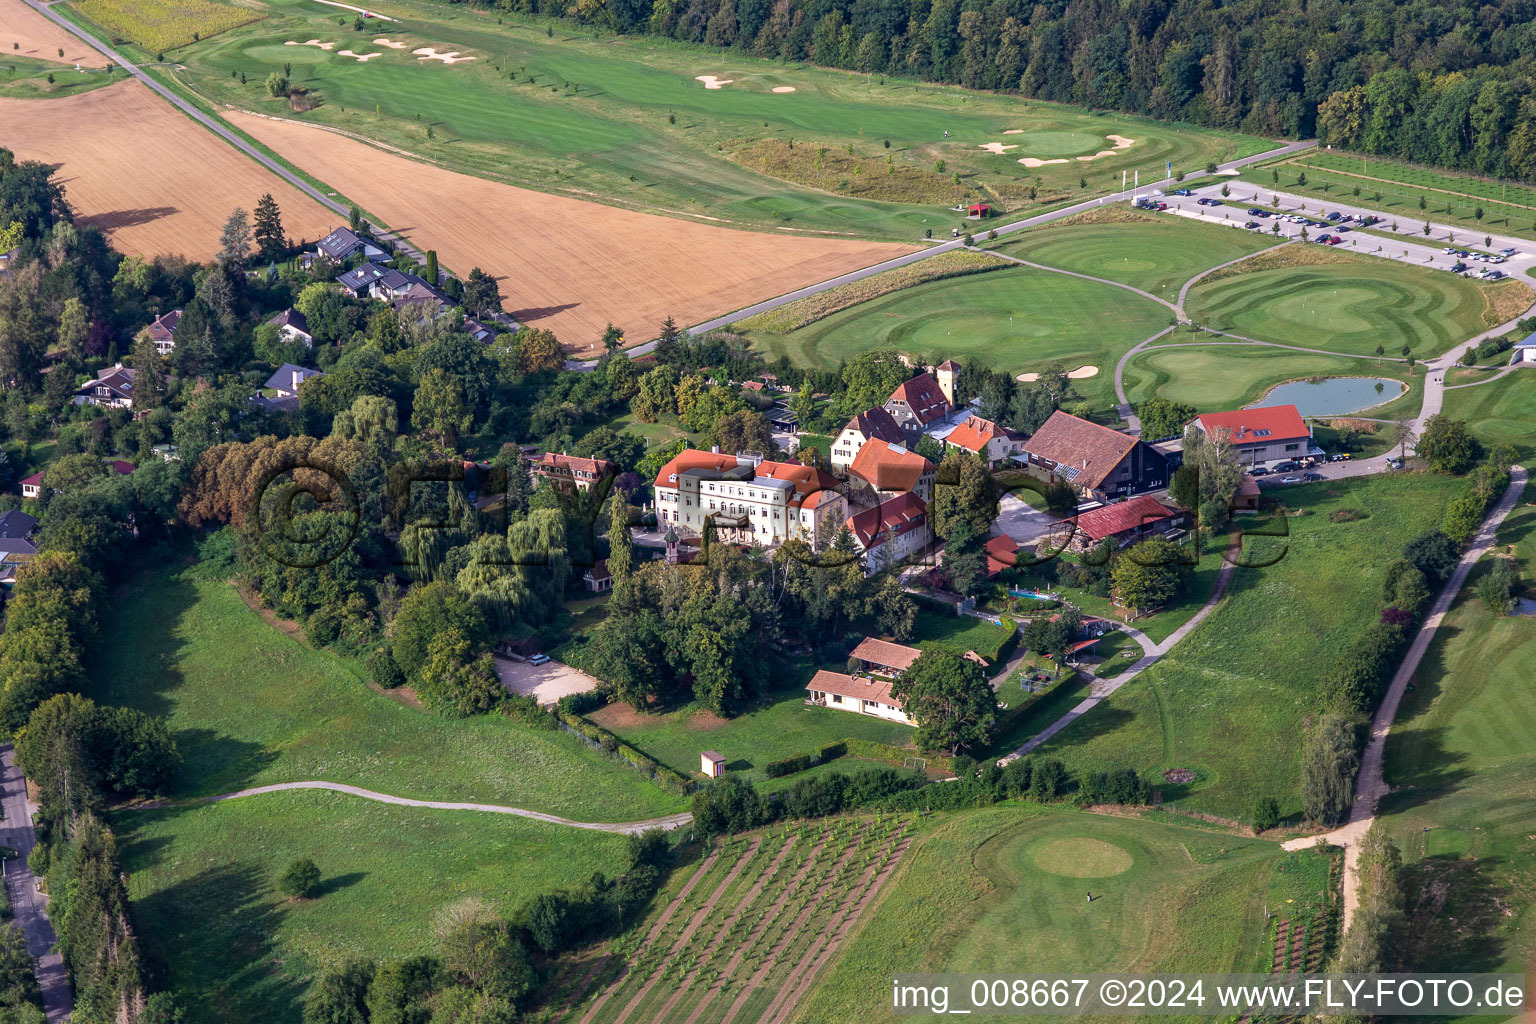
1170	168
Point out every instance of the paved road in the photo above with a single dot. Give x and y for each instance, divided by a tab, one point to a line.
1371	785
218	127
28	906
667	823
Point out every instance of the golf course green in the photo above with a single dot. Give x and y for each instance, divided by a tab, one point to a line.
1218	376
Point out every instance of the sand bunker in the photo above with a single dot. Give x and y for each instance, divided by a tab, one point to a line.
996	147
711	82
358	56
311	42
391	45
429	53
1014	131
1120	141
1081	373
783	88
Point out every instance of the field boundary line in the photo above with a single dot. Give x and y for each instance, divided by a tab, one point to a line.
1299	162
666	823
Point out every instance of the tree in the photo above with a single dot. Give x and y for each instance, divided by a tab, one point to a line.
340	996
1163	417
668	341
1403	436
482	293
74	327
426	612
486	955
440	406
1496	587
459	678
613	338
271	243
963	490
430	272
1266	814
895	611
538	351
1367	948
1433	554
1328	765
621	548
1220	473
950	700
1184	488
1144	577
743	431
1448	445
965	559
301	881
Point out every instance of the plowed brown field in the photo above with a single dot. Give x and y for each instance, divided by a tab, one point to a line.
25	33
566	264
152	179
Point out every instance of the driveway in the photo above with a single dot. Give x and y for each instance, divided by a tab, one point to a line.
1019	521
545	683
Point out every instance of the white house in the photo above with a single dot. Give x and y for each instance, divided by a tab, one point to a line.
746	500
892	532
871	424
291	326
992	442
1525	350
862	695
285	382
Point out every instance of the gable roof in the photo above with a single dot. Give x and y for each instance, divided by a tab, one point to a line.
877	423
975	433
1248	426
804	481
163	327
341	243
288	377
17	523
1002	553
924	397
1085	452
361	277
889	467
122	467
560	462
885	652
598	572
1122	516
862	688
291	317
889	520
1529	341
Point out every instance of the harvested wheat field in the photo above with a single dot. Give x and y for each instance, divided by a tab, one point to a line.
565	264
150	178
25	33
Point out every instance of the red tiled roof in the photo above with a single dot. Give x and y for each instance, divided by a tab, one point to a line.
975	434
1092	450
924	397
1002	553
806	479
163	327
1126	515
862	688
889	519
949	364
887	467
877	423
1247	426
121	467
752	385
35	478
599	571
573	464
884	652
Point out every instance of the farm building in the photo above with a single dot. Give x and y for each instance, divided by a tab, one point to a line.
884	657
869	425
859	694
890	469
572	472
917	405
712	763
746	499
894	531
1268	434
1097	461
1121	524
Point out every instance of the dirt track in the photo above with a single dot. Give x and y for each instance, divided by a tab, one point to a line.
40	38
565	264
152	179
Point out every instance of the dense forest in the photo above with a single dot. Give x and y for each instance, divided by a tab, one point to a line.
1433	81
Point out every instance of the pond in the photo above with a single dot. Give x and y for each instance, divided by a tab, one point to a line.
1334	396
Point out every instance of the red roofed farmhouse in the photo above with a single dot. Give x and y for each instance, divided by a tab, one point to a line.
1270	434
1095	460
859	694
867	426
891	469
993	442
747	501
1120	524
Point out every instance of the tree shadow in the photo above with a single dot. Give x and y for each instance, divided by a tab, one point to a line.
215	763
338	882
1456	912
116	219
540	312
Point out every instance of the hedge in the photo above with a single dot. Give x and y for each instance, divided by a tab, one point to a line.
601	739
788	766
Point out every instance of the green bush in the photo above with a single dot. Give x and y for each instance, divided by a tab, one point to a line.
831	752
581	703
788	766
383	670
301	881
1266	814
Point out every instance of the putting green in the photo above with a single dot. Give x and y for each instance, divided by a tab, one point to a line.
1213	377
1083	858
1056	144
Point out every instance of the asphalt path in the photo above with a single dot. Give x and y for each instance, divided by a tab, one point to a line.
218	127
28	906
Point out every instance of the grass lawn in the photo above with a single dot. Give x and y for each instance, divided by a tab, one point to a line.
1155	254
26	78
1229	701
960	633
1461	762
1015	320
623	118
1218	377
1501	411
231	948
989	890
247	705
1350	306
664	431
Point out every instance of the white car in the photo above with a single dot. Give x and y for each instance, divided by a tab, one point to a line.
1447	250
539	659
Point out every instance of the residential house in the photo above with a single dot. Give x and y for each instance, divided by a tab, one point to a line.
32	486
343	243
477	330
17	530
992	442
285	382
746	499
417	298
1095	460
291	326
598	579
861	695
870	424
162	331
388	284
889	469
884	657
917	405
1121	524
572	472
892	532
1272	433
113	389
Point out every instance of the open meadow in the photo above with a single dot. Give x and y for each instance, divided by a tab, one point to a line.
1017	319
28	34
628	121
1501	411
35	78
1229	702
202	881
1463	771
990	890
248	705
1228	376
1350	303
146	206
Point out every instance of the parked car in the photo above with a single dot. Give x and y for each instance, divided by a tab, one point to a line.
1207	201
1258	471
539	659
1335	240
1448	250
1492	275
1251	224
1312	477
1290	480
1507	252
1161	207
1287	466
1458	267
1181	192
1342	227
1335	216
1366	222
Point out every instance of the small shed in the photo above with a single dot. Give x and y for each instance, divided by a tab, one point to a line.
712	764
978	211
1525	349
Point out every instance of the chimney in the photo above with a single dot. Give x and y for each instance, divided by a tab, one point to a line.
714	449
